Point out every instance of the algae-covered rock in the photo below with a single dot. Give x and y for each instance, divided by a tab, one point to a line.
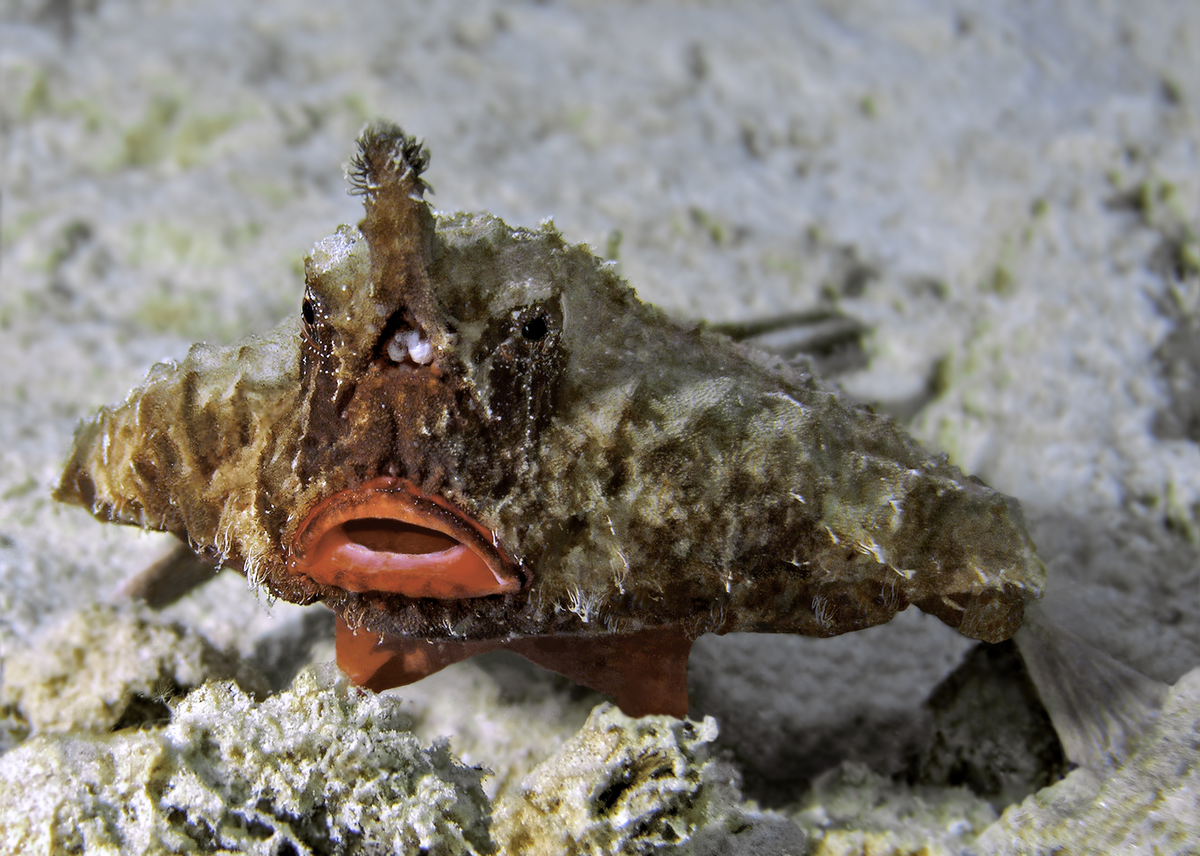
320	768
1150	804
623	786
105	668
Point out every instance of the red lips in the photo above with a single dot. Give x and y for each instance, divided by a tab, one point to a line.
387	536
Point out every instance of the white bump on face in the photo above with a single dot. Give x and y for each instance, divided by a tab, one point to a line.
419	349
396	349
410	344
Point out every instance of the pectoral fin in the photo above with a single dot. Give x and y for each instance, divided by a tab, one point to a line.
646	672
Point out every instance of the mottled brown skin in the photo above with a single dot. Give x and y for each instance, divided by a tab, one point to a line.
644	474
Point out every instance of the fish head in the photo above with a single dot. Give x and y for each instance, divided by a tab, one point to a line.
428	368
443	362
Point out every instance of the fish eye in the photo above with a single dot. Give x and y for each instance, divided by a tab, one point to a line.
535	329
307	312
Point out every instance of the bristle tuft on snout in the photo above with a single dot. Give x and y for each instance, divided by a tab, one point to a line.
386	155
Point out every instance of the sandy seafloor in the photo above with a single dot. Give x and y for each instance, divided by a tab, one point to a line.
1006	194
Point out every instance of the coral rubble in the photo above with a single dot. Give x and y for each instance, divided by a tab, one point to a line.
625	785
320	768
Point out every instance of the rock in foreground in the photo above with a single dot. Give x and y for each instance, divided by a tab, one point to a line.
320	768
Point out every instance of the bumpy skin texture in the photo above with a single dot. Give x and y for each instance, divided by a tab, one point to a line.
642	472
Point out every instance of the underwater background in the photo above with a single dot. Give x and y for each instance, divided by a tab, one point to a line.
1000	205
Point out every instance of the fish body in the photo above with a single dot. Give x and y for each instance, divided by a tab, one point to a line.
476	436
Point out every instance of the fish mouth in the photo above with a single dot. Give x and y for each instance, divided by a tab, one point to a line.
388	536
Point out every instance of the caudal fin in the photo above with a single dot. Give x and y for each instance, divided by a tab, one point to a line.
1099	706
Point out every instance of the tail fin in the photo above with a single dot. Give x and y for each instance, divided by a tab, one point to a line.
1099	706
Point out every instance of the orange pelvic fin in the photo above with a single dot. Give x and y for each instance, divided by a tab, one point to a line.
645	672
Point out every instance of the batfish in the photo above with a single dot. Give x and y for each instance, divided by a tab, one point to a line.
475	437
